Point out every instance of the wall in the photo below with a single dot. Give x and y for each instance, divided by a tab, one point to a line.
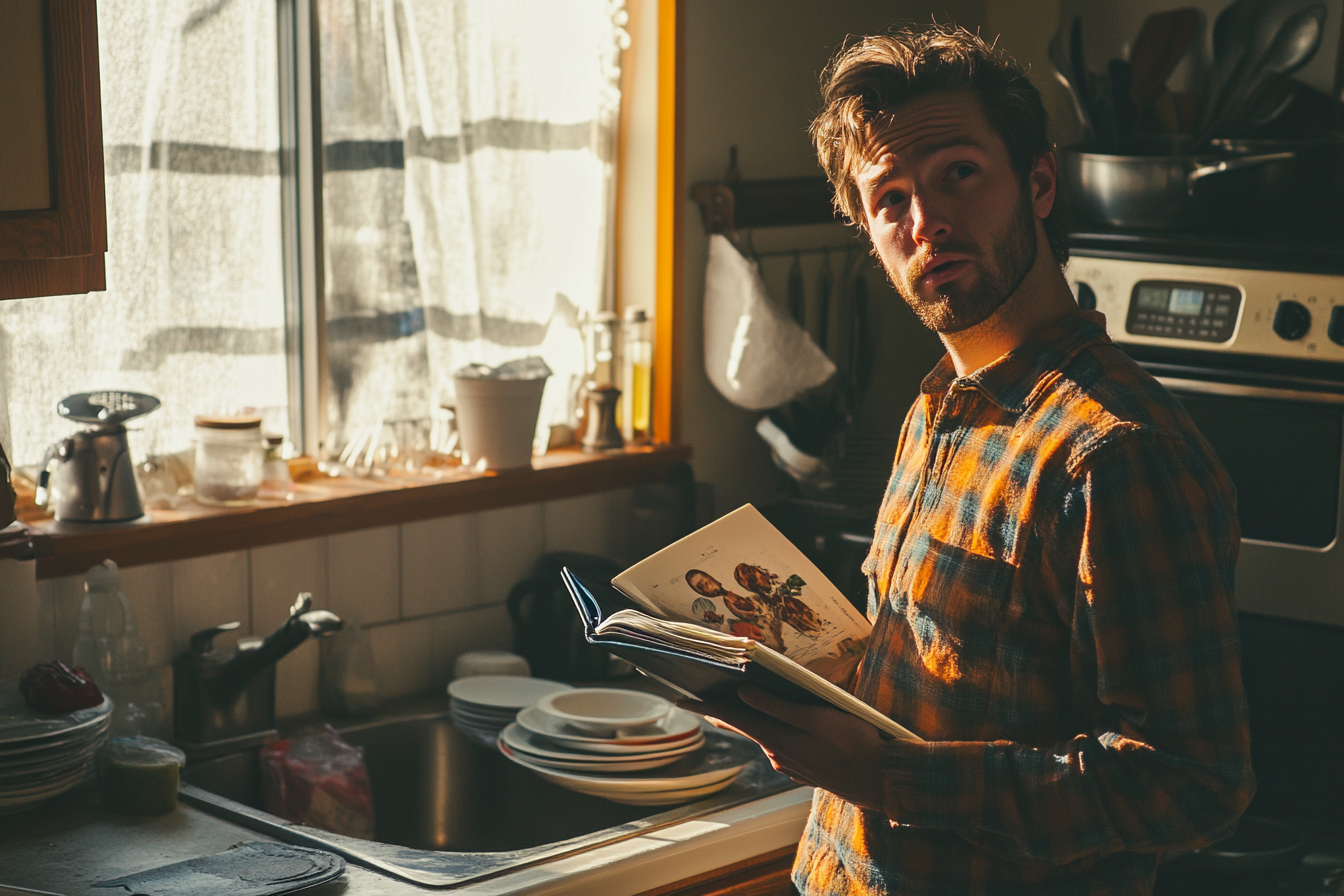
751	80
427	591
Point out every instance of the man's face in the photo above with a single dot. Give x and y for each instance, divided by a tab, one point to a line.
948	215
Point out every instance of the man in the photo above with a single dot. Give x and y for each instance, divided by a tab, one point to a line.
1051	575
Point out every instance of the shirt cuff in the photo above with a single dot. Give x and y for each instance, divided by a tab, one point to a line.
934	784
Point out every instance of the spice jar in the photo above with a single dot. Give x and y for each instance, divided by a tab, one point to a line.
229	458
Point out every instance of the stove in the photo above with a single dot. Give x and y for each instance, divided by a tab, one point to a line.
1317	869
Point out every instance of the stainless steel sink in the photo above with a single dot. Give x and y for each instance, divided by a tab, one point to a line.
448	811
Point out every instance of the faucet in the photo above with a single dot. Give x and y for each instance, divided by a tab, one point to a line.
225	699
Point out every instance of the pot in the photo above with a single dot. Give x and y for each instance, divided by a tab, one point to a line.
1232	185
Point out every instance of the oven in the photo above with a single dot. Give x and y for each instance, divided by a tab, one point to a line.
1257	358
1249	335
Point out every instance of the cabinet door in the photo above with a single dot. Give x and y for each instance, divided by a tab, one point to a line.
53	222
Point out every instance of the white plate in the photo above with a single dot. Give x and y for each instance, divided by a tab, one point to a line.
529	744
594	764
17	800
722	759
678	724
470	711
20	725
667	797
503	691
604	712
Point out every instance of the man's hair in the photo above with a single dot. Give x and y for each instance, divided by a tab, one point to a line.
879	73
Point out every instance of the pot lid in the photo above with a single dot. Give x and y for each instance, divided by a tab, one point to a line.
107	408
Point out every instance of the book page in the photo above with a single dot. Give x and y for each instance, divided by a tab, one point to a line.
740	575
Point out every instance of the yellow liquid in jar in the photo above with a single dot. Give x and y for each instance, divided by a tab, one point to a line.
641	386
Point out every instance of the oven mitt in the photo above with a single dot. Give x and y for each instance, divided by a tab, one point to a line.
249	869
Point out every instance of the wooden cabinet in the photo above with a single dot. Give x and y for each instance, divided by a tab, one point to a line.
53	218
765	875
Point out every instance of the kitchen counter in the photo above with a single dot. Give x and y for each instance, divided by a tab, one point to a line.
71	842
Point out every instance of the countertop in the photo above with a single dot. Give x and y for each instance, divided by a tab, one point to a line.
72	842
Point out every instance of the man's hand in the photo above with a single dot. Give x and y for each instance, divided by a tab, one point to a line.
814	745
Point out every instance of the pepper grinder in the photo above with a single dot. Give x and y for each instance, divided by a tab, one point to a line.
602	432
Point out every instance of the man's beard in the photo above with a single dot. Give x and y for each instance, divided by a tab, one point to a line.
956	307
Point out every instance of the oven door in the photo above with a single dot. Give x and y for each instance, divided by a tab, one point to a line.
1282	444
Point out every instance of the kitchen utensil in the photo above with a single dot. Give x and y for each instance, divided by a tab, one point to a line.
1233	183
1293	45
1122	101
1059	58
1162	42
89	477
1078	73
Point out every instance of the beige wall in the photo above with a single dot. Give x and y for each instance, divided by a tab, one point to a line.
752	70
24	181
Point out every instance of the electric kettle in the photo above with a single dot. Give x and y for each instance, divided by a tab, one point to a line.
89	476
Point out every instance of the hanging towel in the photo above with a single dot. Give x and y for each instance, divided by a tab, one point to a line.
755	354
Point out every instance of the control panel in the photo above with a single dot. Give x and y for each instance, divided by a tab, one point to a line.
1277	313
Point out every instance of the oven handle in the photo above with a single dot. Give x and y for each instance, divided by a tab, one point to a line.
1238	390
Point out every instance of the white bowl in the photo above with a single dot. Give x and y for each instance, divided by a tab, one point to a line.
604	711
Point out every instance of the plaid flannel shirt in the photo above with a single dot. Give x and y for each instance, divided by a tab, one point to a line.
1051	594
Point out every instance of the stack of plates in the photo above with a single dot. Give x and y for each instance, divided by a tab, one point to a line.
692	762
42	755
483	705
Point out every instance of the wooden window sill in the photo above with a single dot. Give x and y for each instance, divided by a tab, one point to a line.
323	505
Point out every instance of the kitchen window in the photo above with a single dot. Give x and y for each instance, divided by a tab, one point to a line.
466	154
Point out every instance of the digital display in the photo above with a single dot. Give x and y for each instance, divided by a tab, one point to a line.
1187	301
1153	298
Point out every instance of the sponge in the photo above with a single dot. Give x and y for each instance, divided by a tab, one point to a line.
139	775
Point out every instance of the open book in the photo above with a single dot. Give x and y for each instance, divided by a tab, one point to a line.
731	604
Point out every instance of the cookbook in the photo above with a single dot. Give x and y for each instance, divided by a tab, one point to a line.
733	603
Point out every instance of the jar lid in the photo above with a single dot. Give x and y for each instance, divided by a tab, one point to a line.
636	315
208	422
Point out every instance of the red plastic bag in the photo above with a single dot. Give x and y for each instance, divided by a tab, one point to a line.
319	781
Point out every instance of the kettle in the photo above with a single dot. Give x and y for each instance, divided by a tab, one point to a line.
89	476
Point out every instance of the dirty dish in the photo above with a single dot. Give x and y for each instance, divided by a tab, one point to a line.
604	712
676	725
503	691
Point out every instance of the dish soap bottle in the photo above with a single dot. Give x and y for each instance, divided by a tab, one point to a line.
110	649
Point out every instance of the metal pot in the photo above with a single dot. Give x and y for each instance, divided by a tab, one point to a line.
1233	185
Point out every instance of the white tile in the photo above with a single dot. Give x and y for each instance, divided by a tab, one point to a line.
485	628
511	541
296	678
403	656
364	574
209	591
20	639
279	573
579	524
150	592
58	621
438	565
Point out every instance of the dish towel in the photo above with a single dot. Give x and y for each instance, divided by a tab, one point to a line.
756	355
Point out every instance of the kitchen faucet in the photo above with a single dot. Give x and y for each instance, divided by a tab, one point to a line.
224	700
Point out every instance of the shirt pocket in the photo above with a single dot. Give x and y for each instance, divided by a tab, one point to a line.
952	599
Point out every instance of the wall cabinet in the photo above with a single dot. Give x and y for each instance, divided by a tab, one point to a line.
53	218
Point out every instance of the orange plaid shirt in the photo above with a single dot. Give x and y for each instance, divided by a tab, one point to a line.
1051	595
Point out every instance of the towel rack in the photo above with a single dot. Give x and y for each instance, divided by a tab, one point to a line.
726	206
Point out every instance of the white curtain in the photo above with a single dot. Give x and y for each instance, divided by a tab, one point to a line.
194	307
467	195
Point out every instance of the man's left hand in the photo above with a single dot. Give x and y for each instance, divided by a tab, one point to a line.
814	745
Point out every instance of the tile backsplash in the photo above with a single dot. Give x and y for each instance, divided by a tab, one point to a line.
426	591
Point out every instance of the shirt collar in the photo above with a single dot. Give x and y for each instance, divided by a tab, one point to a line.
1010	380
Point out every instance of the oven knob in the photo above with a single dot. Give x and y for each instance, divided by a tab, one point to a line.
1292	320
1087	299
1335	329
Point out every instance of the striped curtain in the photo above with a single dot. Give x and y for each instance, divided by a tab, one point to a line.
468	194
194	307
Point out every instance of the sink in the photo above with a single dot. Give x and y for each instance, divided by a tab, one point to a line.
448	811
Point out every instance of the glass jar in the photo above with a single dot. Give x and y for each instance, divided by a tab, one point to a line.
636	377
229	458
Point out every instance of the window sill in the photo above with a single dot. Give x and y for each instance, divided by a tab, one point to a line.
328	506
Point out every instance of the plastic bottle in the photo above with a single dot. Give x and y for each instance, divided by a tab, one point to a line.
110	649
